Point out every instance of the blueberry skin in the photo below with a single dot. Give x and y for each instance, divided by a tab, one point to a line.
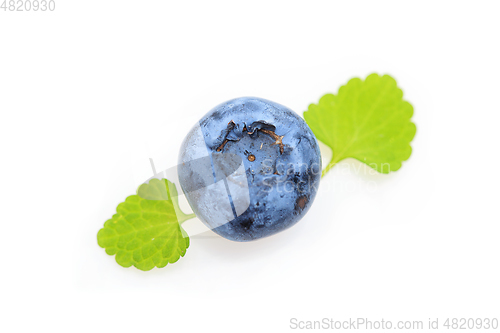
251	168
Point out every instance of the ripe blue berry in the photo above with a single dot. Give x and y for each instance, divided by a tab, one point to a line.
250	168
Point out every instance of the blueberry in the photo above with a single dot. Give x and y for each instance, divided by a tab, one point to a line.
250	168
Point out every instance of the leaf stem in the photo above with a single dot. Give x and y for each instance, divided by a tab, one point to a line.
186	217
330	165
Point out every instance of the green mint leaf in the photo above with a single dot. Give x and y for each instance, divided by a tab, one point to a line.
145	231
367	120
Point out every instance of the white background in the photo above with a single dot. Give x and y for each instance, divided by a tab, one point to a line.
89	92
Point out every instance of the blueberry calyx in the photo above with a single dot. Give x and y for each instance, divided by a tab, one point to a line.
231	133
